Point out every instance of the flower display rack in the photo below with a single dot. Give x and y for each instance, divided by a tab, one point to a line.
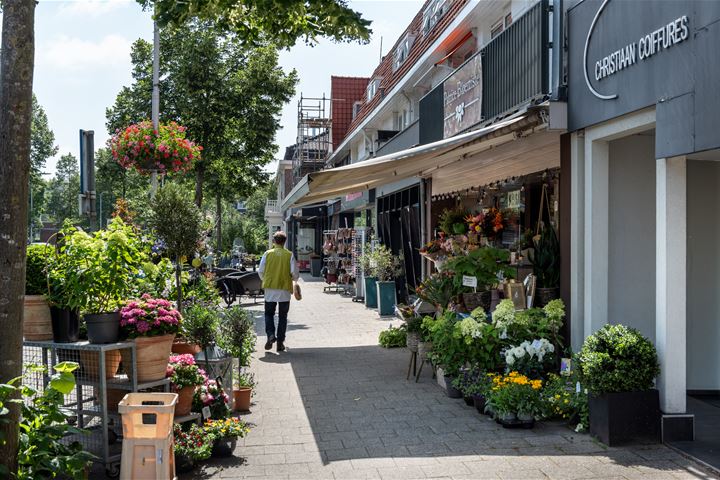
90	402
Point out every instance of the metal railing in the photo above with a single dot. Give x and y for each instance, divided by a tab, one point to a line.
272	206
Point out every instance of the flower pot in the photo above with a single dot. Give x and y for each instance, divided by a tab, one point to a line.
223	447
477	299
512	420
184	464
479	402
181	347
103	327
412	341
424	350
37	322
451	391
543	296
152	354
241	399
507	416
468	401
184	401
370	292
525	417
90	363
625	417
386	298
65	325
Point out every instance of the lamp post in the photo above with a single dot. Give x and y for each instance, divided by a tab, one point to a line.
155	98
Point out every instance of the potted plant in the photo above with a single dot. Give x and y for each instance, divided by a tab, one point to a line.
386	268
37	323
452	221
184	377
244	392
437	289
545	259
212	395
200	327
176	221
515	399
530	358
236	336
112	259
151	324
618	366
65	294
367	264
225	433
483	264
448	349
190	447
413	325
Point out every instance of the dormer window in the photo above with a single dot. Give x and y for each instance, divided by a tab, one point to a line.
402	51
433	13
373	88
356	109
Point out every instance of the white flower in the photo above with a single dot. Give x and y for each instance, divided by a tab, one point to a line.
509	359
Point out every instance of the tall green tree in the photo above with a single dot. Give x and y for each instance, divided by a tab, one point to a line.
229	96
42	147
281	21
63	190
17	58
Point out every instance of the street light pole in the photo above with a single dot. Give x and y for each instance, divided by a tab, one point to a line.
155	97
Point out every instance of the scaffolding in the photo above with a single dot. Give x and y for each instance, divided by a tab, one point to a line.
314	143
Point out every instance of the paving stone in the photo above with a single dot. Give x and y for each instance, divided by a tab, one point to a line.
337	406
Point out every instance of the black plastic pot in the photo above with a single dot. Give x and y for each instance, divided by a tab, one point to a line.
103	327
625	417
223	447
479	402
545	296
184	464
468	401
451	391
65	325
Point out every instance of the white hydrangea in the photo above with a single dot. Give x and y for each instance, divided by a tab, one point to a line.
538	348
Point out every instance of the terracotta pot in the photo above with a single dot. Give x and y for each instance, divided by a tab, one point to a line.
152	357
37	323
184	401
90	363
241	399
181	347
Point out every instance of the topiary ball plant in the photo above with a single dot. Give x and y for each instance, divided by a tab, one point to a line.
35	271
617	358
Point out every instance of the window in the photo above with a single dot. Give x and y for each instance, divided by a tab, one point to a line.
433	13
372	88
497	29
356	109
402	51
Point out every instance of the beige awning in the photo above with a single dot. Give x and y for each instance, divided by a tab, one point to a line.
420	161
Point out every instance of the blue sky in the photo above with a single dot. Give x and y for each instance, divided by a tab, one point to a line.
82	60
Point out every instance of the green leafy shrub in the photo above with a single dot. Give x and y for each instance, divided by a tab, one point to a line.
484	264
617	358
545	258
199	325
452	222
393	337
561	399
35	270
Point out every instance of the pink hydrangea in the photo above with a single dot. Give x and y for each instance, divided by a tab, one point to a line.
149	317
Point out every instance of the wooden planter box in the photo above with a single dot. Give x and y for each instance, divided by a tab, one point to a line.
625	417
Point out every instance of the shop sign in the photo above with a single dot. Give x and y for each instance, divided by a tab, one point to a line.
462	97
649	44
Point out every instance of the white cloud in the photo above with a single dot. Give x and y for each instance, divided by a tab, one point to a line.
90	7
68	53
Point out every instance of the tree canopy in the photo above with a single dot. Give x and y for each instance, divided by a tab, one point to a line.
282	22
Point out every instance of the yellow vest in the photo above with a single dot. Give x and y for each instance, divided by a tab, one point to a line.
277	275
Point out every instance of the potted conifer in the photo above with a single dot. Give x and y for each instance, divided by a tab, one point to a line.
386	268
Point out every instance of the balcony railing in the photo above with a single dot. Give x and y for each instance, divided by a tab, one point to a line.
272	207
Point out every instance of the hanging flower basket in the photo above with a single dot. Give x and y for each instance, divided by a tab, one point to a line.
165	150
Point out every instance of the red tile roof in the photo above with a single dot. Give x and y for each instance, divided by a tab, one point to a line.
344	92
420	46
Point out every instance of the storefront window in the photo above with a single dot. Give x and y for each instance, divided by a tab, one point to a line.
305	245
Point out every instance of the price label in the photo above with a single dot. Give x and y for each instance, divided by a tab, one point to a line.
577	387
469	281
206	412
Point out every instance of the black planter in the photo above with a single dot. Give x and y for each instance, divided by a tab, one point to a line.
468	401
223	447
65	325
625	417
545	295
103	327
184	464
479	402
451	391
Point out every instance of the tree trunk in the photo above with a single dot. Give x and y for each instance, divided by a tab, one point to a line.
218	205
178	283
16	78
199	179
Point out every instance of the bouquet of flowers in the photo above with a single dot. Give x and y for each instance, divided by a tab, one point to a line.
146	149
433	249
183	372
493	223
210	394
195	444
149	317
226	428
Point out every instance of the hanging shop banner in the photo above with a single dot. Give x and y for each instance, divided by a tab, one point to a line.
462	97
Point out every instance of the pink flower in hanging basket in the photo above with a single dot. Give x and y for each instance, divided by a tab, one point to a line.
145	149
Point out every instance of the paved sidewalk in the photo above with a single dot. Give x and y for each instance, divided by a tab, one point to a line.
336	405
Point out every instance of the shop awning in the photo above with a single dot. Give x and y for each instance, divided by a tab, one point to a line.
418	161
